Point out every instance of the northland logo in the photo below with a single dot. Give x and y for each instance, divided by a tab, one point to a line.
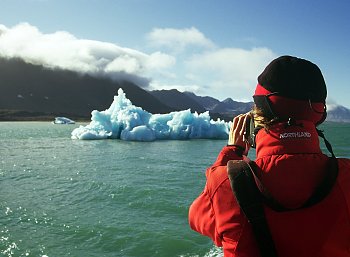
295	135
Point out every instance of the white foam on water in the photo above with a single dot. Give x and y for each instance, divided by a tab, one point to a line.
215	252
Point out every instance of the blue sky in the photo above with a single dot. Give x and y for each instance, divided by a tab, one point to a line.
212	47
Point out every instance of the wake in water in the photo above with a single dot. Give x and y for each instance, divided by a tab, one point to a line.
123	120
215	252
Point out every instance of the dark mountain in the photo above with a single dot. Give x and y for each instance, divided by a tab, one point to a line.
226	109
177	100
231	106
29	88
339	113
207	102
228	106
31	91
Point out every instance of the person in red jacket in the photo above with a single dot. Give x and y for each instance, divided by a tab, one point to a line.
289	104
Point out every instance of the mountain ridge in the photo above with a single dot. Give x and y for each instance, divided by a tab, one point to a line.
30	91
177	100
34	88
229	108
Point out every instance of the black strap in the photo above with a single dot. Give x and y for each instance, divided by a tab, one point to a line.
249	199
320	192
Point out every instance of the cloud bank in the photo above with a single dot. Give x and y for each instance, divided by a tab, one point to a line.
63	50
184	59
178	39
207	69
231	71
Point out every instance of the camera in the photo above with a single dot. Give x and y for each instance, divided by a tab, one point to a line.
250	130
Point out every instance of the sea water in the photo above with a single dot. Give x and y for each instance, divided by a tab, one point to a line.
64	197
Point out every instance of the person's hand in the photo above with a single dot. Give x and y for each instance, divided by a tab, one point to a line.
237	135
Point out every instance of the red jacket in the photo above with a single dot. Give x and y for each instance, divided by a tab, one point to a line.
291	165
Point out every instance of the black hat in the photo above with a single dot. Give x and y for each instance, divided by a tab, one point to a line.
294	78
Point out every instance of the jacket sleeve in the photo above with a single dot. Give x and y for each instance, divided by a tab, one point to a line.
201	213
229	152
202	217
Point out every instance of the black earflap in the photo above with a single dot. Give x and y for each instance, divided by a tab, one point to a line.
263	103
324	113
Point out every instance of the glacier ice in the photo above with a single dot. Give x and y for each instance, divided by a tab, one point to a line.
125	121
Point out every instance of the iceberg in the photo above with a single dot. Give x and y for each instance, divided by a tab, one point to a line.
63	120
125	121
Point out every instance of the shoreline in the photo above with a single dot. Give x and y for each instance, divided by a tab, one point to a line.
36	119
21	115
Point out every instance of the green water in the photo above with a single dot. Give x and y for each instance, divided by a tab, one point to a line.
63	197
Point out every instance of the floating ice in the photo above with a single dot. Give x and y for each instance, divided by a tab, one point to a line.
123	120
63	120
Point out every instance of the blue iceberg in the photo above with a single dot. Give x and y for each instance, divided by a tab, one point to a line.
63	120
125	121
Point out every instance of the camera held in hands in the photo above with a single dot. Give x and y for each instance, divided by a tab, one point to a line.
251	130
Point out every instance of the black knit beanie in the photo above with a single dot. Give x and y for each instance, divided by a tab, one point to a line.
294	78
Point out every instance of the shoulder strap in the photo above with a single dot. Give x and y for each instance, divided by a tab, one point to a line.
321	191
249	199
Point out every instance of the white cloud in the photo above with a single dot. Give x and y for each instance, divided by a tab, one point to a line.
229	72
218	72
331	104
3	29
159	61
178	39
156	85
63	50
